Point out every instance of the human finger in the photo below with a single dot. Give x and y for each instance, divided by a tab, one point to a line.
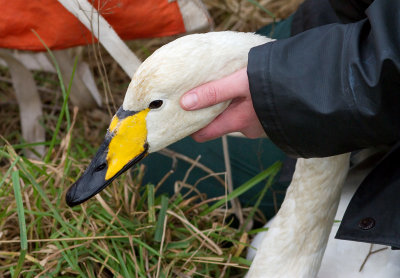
217	91
238	117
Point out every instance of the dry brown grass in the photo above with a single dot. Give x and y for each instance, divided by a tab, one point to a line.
246	15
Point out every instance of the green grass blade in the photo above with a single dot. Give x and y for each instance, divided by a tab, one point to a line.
272	170
120	259
20	263
161	218
21	221
150	203
255	3
256	231
145	245
20	209
30	145
42	193
8	172
258	202
70	258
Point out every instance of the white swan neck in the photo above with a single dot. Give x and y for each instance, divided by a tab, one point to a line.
295	243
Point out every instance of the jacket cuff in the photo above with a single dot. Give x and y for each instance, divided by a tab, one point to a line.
258	71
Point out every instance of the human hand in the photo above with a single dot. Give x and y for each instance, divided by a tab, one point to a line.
238	116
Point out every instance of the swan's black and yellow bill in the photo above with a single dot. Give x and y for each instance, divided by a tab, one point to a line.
124	146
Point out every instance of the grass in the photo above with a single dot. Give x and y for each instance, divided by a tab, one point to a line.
141	234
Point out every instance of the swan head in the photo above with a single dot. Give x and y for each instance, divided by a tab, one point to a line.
150	117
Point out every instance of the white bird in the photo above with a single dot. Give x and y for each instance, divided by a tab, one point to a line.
151	118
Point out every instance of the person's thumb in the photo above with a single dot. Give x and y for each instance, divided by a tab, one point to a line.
217	91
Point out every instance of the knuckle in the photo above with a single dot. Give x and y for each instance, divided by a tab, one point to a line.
211	95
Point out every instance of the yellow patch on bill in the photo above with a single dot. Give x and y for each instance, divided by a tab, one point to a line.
113	123
127	143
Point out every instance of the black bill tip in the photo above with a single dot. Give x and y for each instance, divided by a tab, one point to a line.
93	179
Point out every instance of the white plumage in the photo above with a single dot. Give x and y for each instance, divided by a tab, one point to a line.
295	242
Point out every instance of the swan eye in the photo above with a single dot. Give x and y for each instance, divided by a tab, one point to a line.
155	104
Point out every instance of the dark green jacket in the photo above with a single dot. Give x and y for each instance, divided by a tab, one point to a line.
333	89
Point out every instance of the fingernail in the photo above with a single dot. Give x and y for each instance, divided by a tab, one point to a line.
190	100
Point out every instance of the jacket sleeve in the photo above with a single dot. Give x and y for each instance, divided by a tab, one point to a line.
350	10
332	89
